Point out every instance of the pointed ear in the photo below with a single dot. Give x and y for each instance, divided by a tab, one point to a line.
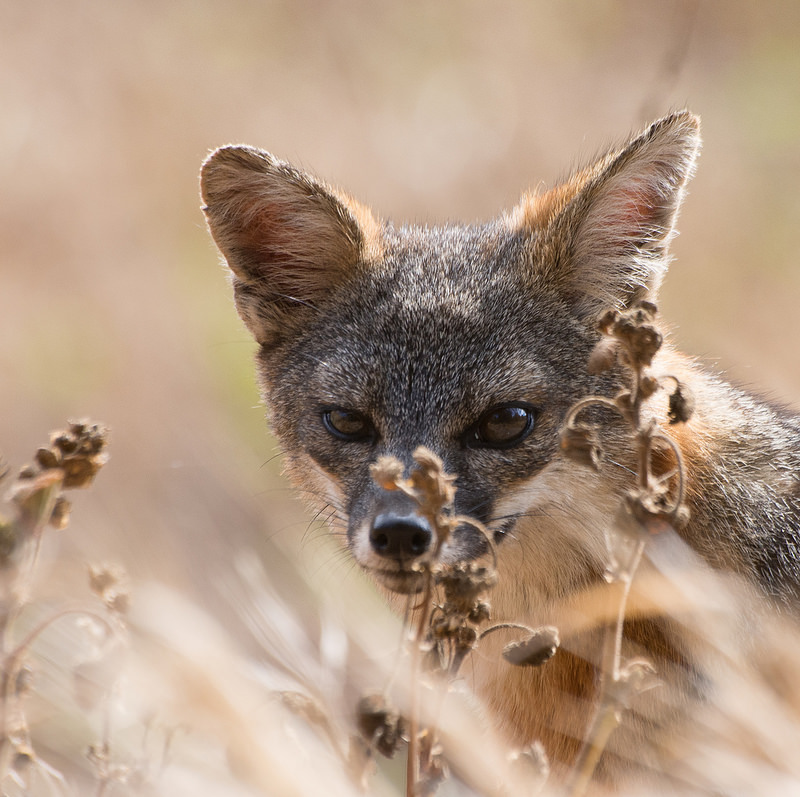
602	238
288	239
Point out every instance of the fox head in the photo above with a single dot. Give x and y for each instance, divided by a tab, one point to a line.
471	340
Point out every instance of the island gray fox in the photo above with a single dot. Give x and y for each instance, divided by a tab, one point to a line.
473	340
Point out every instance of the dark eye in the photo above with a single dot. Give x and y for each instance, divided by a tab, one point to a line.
502	427
348	425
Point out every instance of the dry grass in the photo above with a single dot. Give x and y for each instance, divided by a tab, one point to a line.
163	699
112	304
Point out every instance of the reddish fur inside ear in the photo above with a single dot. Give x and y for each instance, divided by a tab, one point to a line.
601	238
287	238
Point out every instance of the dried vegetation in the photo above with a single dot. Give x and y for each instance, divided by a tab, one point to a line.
178	707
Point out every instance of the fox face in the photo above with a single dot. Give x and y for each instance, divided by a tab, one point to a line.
474	375
470	340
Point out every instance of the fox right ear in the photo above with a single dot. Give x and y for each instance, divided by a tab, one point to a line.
603	237
287	238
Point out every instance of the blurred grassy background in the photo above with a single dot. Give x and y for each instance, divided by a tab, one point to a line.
112	301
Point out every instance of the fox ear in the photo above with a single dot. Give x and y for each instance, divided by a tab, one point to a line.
287	238
602	238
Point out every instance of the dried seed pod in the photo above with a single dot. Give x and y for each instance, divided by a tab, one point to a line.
117	601
647	310
641	342
380	724
78	428
79	452
480	612
681	404
648	385
464	583
603	356
79	471
27	472
581	443
607	321
64	442
48	458
533	651
59	519
103	577
465	638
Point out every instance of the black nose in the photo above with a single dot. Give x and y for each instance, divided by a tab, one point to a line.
400	537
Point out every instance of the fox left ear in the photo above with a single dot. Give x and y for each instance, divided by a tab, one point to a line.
287	238
601	239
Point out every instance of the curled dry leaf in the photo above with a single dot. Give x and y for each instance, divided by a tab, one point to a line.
533	651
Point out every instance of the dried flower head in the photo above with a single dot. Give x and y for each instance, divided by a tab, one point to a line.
634	330
35	497
464	583
387	472
435	488
380	724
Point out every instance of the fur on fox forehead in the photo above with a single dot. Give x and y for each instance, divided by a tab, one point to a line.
599	240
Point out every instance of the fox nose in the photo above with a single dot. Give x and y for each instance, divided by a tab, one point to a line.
400	537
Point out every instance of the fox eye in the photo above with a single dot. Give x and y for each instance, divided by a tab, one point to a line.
348	425
502	427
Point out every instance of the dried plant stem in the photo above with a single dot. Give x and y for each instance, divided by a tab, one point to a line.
31	529
607	717
655	503
412	761
11	660
504	627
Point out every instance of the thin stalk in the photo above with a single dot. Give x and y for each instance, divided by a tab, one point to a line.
607	717
412	760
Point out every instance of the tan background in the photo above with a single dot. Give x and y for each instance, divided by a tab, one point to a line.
112	302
